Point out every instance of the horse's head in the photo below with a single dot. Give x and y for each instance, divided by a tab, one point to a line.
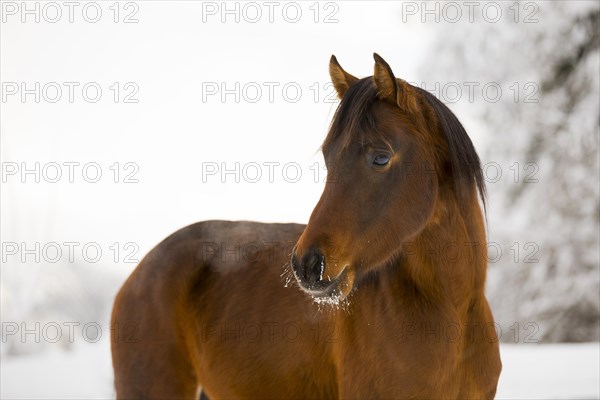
389	162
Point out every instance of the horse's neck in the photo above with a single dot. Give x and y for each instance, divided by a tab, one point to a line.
449	258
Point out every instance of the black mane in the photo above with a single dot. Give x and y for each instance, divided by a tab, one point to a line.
353	114
463	158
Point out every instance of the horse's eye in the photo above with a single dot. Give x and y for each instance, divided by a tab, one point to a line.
381	160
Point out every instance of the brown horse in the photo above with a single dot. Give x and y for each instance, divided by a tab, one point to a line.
388	276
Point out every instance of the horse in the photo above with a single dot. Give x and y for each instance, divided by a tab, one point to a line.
380	295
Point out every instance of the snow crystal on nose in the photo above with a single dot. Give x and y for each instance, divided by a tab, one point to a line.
333	300
322	268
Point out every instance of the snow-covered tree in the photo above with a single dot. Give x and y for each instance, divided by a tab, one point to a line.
542	133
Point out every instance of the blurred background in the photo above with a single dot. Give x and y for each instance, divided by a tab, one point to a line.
122	122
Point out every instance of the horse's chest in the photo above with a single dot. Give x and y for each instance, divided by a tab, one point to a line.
387	353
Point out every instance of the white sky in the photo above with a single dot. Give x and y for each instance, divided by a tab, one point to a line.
171	132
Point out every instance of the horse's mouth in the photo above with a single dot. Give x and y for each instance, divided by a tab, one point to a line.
333	290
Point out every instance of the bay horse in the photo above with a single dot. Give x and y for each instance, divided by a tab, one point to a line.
382	297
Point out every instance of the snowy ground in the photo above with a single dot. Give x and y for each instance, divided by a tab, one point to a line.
550	371
553	371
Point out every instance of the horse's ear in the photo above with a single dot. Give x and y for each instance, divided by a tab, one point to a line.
391	89
340	78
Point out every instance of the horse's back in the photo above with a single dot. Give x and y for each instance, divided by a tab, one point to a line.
210	247
152	321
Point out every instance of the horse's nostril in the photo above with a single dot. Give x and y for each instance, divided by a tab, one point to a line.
310	267
314	266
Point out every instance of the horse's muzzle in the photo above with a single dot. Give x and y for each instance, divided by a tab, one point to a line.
309	269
